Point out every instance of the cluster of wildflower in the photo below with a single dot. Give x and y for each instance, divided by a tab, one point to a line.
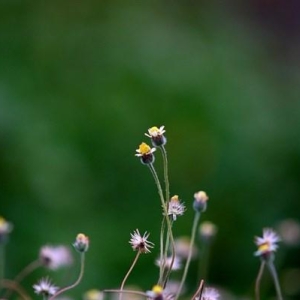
174	255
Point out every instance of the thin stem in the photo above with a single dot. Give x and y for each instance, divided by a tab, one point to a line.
273	272
165	211
161	266
128	273
199	290
82	257
258	279
25	272
125	292
187	264
12	285
166	176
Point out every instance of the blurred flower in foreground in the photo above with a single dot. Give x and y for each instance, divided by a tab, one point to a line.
5	229
157	293
157	136
175	207
289	231
82	243
145	152
200	199
176	263
93	294
209	294
207	230
45	288
182	246
140	243
267	244
54	257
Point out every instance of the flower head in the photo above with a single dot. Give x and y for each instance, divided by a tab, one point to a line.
175	266
157	136
267	244
209	294
45	287
175	208
140	243
157	293
5	229
145	152
82	243
200	199
54	257
207	230
93	294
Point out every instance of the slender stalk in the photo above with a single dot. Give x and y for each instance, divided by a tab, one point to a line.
25	272
161	266
273	272
187	264
165	210
199	290
128	273
204	260
258	279
12	285
166	176
82	258
125	292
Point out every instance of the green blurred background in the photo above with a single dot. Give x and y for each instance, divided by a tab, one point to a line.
80	84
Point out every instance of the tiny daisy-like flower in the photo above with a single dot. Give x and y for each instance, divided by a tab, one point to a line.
145	152
5	229
267	244
157	293
157	136
82	243
200	199
54	257
45	287
140	243
176	263
209	294
175	208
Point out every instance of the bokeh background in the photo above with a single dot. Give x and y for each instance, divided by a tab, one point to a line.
80	84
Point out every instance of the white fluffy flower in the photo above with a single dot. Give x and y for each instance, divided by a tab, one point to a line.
267	243
45	287
139	242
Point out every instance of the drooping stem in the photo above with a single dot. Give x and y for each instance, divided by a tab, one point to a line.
273	272
82	258
187	264
128	273
258	280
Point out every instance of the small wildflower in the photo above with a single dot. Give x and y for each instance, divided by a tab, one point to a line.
93	294
209	294
45	288
182	247
175	208
156	293
267	244
54	257
207	230
5	229
82	243
140	243
289	230
157	136
176	263
200	199
145	152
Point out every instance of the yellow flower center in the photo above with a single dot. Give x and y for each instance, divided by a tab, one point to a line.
154	131
144	148
157	289
265	247
175	198
2	221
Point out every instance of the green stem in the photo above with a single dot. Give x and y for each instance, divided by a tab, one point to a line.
161	266
258	279
166	176
187	264
273	272
128	273
82	257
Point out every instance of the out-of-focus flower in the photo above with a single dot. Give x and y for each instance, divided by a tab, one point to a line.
200	199
81	243
207	230
5	229
157	293
289	231
157	136
175	207
267	244
209	294
140	243
145	152
175	266
93	294
54	257
45	288
182	247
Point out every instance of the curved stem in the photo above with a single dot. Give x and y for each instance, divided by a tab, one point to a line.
12	285
258	279
82	257
275	278
187	264
127	274
125	292
199	290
